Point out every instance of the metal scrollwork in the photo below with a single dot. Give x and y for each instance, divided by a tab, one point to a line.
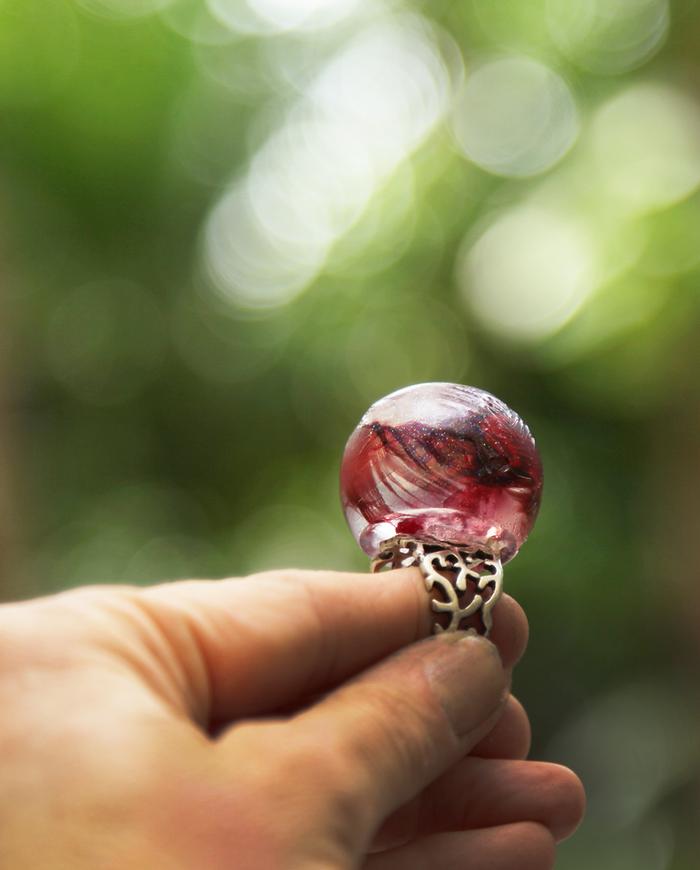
469	579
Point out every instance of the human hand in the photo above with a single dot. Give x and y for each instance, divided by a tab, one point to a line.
287	720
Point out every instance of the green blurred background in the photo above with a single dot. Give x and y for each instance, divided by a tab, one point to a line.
226	227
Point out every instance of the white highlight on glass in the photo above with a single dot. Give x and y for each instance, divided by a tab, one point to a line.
369	107
515	117
646	147
608	36
529	272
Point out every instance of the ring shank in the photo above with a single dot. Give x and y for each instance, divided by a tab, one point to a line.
464	582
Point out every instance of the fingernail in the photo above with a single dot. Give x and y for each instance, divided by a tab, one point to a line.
467	676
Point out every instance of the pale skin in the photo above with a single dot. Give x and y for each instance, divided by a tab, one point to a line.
291	719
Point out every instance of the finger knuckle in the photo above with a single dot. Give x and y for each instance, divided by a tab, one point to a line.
399	724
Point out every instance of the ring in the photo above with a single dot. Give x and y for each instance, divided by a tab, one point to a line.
448	478
464	583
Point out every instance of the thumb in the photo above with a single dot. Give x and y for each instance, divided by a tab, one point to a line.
399	725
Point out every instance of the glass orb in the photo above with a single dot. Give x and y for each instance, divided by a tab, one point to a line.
441	461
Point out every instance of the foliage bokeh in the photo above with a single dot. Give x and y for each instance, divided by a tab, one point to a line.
229	226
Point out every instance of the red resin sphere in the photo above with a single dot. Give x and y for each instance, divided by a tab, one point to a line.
441	461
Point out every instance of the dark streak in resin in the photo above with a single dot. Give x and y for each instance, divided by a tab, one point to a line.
491	467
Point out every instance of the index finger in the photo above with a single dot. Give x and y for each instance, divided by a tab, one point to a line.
271	640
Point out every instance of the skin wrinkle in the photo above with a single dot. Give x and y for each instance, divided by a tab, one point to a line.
178	632
101	617
324	658
310	609
192	622
206	676
165	673
325	652
169	672
200	626
238	627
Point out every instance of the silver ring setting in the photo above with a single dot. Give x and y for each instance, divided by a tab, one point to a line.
464	582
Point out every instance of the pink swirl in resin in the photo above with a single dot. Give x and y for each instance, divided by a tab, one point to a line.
441	461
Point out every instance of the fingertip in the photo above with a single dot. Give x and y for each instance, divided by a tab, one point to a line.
569	807
558	792
511	736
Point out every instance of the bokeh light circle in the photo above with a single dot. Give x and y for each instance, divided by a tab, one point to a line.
372	103
608	36
247	266
193	20
528	273
515	117
263	17
646	146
